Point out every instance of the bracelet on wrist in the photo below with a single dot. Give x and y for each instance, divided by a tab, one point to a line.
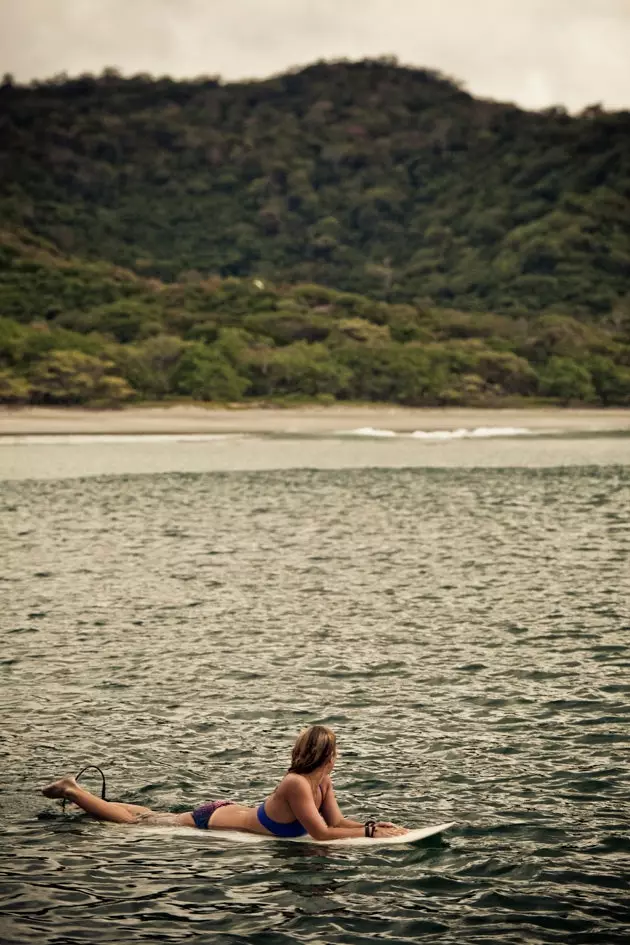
370	827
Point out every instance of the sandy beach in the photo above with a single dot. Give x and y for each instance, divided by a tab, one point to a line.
308	420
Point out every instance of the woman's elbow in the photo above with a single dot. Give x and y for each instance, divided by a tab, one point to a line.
320	832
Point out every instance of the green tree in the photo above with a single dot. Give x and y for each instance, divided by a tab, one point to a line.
401	373
299	368
567	380
12	342
150	366
611	381
564	337
204	373
13	388
126	320
72	377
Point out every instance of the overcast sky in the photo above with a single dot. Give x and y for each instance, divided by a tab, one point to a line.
533	52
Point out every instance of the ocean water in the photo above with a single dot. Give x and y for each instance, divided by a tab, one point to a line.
80	455
463	629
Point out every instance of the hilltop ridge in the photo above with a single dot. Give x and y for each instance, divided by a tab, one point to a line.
363	176
348	231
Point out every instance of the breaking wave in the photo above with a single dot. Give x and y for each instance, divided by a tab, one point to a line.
458	434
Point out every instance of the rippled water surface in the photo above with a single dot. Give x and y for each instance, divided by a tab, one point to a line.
465	631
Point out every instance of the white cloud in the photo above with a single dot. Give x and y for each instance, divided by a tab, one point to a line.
535	52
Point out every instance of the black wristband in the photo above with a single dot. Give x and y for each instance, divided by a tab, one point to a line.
370	827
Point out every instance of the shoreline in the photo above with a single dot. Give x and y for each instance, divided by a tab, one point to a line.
303	420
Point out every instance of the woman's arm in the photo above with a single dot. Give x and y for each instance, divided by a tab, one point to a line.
301	803
300	800
334	817
330	808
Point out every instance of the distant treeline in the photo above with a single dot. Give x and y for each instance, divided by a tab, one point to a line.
73	332
366	177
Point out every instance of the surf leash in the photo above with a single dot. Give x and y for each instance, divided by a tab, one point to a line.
82	771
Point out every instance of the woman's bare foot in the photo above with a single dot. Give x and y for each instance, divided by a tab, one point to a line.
64	787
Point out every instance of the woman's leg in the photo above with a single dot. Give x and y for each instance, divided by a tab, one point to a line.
113	811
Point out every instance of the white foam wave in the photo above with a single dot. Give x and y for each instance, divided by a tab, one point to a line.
500	431
476	433
368	431
460	433
439	434
73	439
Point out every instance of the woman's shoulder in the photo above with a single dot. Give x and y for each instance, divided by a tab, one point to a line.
293	782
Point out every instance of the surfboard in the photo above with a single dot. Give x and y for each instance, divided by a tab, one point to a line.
242	836
412	836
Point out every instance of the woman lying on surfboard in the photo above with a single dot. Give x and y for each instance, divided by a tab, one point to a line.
303	803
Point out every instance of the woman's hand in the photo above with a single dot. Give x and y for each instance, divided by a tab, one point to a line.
383	829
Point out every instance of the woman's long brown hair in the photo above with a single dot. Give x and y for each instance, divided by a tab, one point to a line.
313	747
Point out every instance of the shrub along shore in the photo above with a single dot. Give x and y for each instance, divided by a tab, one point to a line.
74	332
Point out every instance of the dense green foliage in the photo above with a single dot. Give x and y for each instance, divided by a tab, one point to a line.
365	177
74	332
354	231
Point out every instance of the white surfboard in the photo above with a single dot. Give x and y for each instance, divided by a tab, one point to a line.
242	836
412	836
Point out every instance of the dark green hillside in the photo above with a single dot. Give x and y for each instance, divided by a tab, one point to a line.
74	332
365	177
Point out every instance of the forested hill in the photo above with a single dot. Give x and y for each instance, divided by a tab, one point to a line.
366	177
74	332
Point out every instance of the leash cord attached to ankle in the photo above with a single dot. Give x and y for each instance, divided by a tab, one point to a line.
82	771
